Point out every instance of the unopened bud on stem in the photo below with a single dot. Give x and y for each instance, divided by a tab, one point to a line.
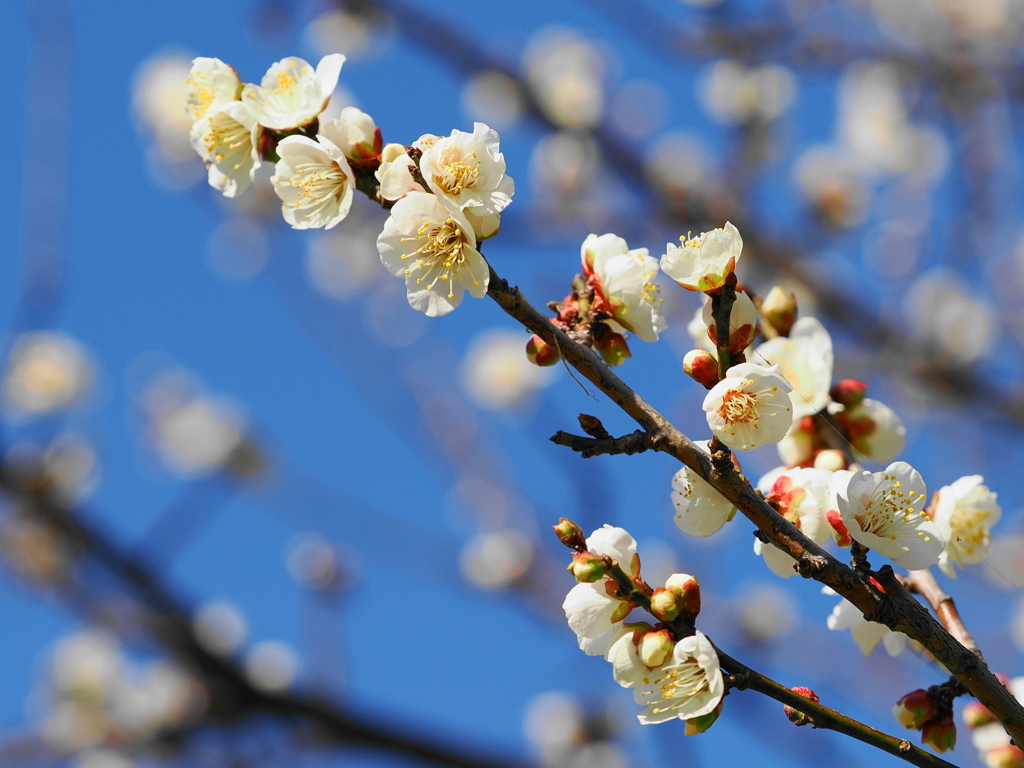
539	352
570	534
701	366
849	392
795	715
779	310
655	647
586	567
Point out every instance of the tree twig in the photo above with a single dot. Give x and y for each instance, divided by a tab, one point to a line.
635	442
924	583
823	717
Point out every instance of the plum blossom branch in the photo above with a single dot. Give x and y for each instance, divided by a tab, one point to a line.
893	606
924	583
745	678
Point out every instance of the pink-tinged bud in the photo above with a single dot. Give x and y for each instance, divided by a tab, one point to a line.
976	714
570	534
830	459
655	647
849	392
779	310
539	352
701	366
940	733
700	724
664	605
915	709
687	591
586	567
795	715
1007	756
839	530
612	346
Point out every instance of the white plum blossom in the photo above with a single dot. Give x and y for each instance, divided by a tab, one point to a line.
434	249
875	431
805	359
228	141
686	685
292	94
802	496
355	134
965	513
700	509
314	181
210	85
622	285
468	170
750	407
594	614
866	634
883	511
702	263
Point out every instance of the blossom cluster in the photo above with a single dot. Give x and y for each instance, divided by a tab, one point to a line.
671	676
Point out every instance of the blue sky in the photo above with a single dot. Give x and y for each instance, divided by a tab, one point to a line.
346	424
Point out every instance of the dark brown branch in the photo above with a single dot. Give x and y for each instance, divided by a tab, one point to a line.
895	608
823	717
924	584
587	447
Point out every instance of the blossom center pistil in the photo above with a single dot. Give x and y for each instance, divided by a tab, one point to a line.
318	181
225	136
738	407
457	175
677	684
441	254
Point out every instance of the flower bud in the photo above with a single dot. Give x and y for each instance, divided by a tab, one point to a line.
586	567
915	709
779	310
700	724
1008	756
830	459
655	647
940	733
391	152
611	345
849	392
570	534
976	714
539	352
664	604
795	715
687	590
701	366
